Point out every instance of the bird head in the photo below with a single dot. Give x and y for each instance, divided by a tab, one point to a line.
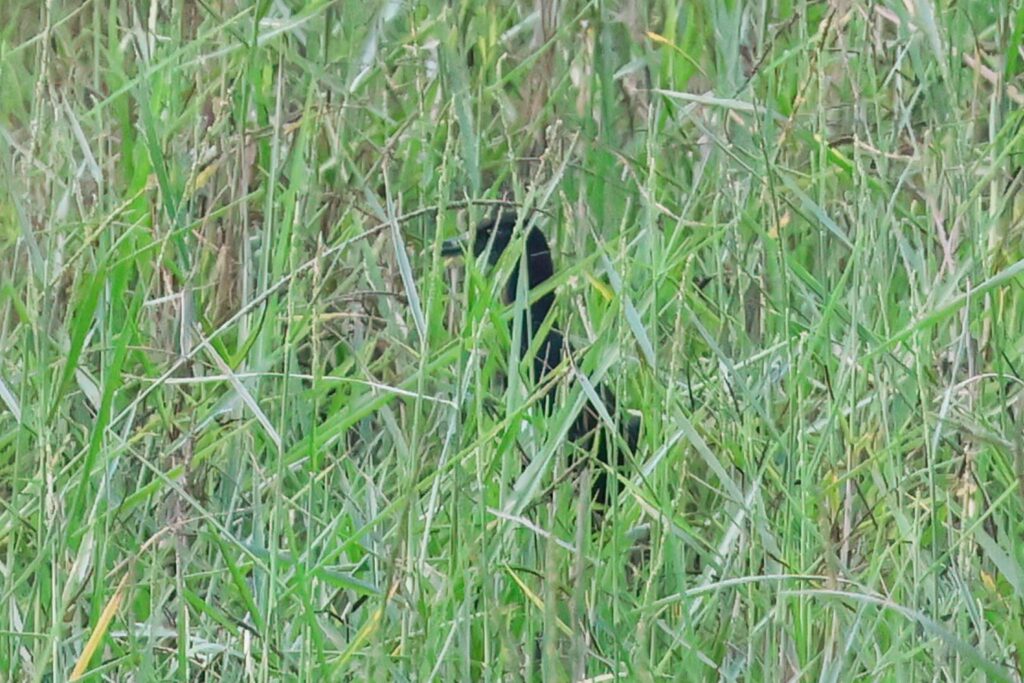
492	237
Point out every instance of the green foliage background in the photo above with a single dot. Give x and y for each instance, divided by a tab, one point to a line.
254	427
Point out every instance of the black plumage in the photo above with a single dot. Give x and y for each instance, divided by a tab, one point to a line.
492	237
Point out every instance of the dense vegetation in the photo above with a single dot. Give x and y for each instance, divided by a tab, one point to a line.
254	427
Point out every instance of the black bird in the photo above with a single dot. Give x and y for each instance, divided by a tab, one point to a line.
493	236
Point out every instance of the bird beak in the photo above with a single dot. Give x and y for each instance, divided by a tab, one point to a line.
454	247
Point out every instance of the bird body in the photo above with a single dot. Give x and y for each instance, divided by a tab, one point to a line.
492	237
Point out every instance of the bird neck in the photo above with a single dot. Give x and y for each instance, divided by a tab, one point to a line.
539	269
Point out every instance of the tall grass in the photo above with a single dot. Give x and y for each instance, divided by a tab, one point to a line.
255	427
